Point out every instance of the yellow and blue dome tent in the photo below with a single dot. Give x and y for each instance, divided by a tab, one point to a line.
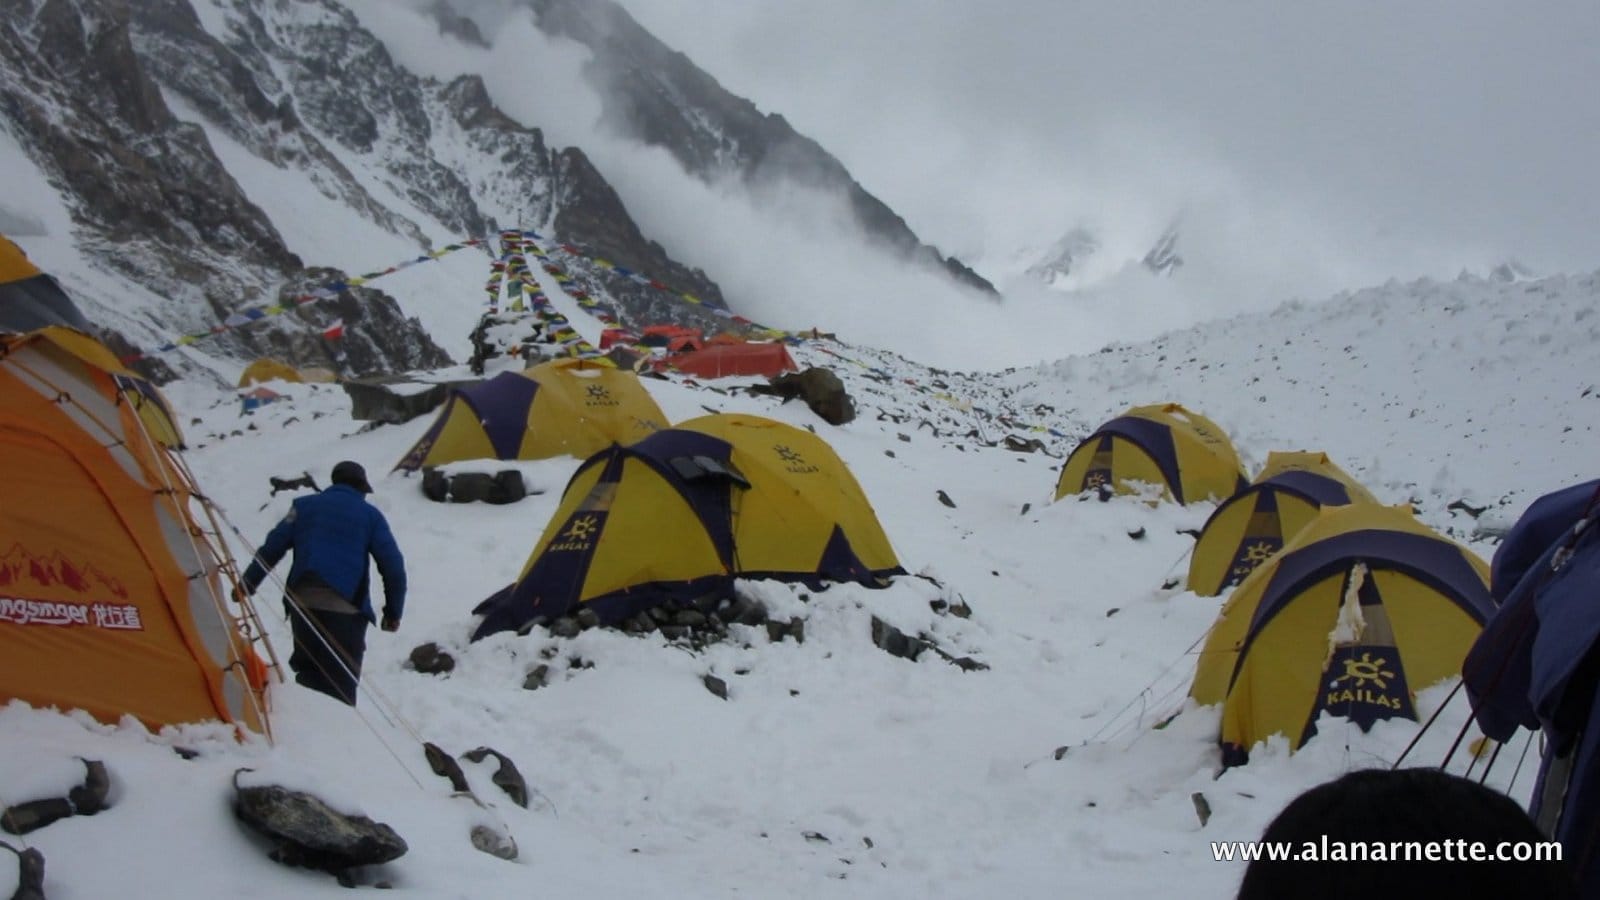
680	514
1253	524
1183	452
572	407
1361	609
265	369
30	299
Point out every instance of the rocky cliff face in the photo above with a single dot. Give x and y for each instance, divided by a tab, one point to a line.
657	95
118	103
81	87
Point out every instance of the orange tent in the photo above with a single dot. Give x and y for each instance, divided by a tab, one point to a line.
113	599
664	335
723	360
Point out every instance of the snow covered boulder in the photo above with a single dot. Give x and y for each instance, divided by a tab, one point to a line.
310	833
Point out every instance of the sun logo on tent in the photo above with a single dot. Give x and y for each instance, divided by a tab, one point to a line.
1258	553
1366	669
599	395
581	529
793	461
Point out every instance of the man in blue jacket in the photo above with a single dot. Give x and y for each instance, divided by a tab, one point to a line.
332	534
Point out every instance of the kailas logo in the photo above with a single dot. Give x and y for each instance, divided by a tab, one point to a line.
1253	555
578	536
598	395
1365	680
793	461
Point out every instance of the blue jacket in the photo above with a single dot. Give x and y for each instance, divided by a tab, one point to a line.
332	534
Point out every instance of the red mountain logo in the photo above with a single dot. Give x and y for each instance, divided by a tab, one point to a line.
19	564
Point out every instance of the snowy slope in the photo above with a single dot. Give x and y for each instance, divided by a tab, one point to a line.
833	769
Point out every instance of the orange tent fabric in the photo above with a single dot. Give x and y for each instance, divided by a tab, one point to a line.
112	599
723	360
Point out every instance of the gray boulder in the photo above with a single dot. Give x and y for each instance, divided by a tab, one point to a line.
393	400
819	388
311	834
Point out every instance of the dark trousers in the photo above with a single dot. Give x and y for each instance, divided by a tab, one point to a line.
328	650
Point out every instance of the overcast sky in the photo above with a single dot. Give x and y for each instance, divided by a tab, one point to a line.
1304	148
1366	138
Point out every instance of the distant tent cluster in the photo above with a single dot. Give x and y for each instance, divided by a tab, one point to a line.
687	350
253	390
1339	605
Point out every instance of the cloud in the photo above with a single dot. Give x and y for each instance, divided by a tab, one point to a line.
1306	149
1365	139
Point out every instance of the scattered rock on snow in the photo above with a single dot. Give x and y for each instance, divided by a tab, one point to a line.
445	765
537	678
30	873
430	659
1021	445
506	776
716	685
494	842
85	799
896	642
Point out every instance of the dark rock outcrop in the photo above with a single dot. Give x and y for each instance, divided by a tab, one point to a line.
658	96
309	833
821	390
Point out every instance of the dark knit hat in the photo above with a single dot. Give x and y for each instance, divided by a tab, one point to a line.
351	473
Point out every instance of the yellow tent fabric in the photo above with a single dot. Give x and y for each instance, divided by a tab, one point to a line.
112	600
30	299
678	515
265	369
154	415
566	406
1185	453
800	493
1364	607
1253	524
14	264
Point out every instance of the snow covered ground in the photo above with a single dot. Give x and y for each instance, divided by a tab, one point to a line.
833	769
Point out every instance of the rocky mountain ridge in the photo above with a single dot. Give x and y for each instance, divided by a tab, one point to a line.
117	103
